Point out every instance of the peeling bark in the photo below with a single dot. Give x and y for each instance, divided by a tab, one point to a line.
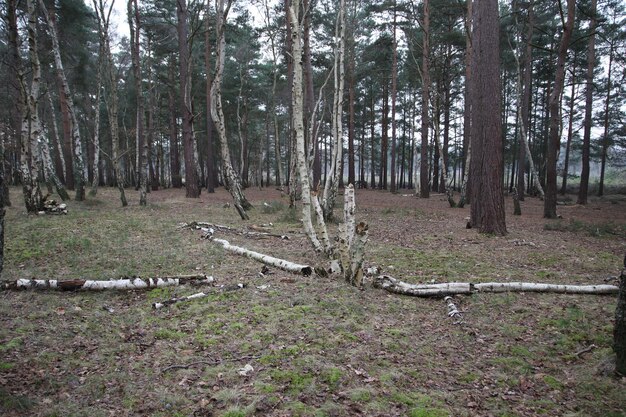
428	290
115	284
282	264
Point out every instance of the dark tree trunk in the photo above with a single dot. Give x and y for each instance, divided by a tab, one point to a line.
487	204
373	140
549	206
174	151
394	87
605	136
351	131
591	63
619	331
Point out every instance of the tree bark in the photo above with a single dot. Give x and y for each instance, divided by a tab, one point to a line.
134	24
619	331
549	207
77	147
116	284
177	181
191	173
591	63
217	113
487	204
281	264
605	135
210	181
336	167
570	129
394	94
424	166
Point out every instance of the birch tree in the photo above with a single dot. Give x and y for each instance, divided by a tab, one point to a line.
103	16
233	183
31	125
77	147
336	166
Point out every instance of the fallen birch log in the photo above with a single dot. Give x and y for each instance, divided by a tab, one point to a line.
210	228
393	285
288	266
115	284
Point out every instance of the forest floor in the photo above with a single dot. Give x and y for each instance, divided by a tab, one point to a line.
318	346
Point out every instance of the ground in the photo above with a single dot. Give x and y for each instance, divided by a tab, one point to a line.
318	346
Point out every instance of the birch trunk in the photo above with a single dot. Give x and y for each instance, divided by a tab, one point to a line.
77	147
282	264
96	134
116	284
142	146
31	125
336	166
298	126
49	172
55	139
352	239
110	96
231	178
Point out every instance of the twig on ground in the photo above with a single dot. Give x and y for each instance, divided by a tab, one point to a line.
208	362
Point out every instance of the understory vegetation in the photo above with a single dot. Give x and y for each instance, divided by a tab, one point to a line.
317	346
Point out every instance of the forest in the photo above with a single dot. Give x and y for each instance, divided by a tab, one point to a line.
391	207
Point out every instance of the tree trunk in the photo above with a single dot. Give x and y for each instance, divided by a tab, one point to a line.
177	181
96	130
230	176
191	174
116	284
570	129
591	63
424	168
31	125
605	135
77	147
467	119
525	104
394	94
487	205
336	167
142	148
210	183
549	207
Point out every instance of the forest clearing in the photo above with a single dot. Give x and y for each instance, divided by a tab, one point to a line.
316	345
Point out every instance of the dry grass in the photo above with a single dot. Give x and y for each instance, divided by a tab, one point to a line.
318	347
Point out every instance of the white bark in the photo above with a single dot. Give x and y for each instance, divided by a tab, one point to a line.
79	176
352	239
282	264
453	311
117	284
158	305
428	290
298	127
336	168
231	178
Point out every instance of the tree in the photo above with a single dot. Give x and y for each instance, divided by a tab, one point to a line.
549	207
134	24
591	62
191	174
424	187
77	147
233	183
487	203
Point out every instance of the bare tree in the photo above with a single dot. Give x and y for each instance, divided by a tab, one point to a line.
103	16
231	178
77	147
487	203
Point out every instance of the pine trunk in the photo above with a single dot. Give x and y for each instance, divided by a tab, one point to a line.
424	166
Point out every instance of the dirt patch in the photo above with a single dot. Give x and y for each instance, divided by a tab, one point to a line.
317	346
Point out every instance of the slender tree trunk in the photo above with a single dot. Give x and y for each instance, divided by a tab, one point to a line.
191	173
174	145
394	94
570	130
142	149
31	125
96	130
372	139
351	115
525	104
210	183
110	96
77	146
619	330
591	63
487	205
336	168
467	119
549	207
15	93
424	166
605	135
230	176
384	137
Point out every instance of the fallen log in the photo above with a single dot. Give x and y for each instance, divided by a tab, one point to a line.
210	228
115	284
393	285
282	264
